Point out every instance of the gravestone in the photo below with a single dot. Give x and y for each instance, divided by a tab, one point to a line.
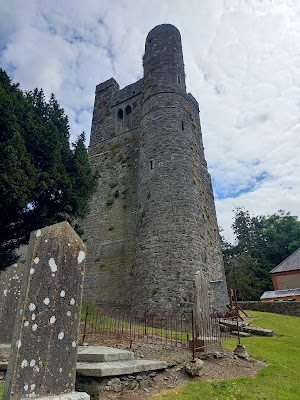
44	346
10	284
207	329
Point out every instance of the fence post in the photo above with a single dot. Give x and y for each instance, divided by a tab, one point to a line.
193	335
85	321
238	328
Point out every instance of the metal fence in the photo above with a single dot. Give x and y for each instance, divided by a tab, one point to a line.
168	329
138	326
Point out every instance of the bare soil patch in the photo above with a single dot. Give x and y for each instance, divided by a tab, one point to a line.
227	367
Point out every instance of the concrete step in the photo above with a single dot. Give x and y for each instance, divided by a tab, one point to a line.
111	368
102	354
4	351
116	368
3	365
89	353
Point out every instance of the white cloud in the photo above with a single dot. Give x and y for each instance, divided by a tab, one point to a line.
242	64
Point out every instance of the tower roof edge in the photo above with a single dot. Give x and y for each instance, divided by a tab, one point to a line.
106	84
163	27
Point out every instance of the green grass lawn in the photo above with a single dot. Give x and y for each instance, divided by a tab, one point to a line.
280	380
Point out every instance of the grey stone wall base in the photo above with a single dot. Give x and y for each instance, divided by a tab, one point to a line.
276	307
116	368
68	396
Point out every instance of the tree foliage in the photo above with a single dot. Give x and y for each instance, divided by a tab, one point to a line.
42	179
261	243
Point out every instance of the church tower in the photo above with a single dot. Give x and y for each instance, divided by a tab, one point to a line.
153	221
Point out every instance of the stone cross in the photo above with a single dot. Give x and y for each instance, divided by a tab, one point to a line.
44	346
206	329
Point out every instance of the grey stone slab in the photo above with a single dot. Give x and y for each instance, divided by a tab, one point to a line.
232	325
68	396
257	331
202	307
206	328
118	367
4	351
3	365
242	334
44	346
102	354
10	285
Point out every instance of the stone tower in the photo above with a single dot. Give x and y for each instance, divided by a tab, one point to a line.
153	221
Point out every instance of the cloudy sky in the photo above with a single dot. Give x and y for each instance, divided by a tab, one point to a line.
242	60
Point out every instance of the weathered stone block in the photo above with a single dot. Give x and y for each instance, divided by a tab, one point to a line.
241	351
44	346
10	285
194	368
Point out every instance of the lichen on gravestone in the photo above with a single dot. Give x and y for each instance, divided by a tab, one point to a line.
44	347
10	283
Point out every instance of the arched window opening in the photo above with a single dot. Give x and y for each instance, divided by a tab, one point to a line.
178	78
120	113
128	118
151	164
182	125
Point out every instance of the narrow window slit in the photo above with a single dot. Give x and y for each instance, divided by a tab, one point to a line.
120	113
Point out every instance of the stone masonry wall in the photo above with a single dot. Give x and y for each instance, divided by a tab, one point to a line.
276	307
110	227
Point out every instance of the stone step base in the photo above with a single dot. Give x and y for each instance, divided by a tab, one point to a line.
67	396
112	368
4	350
117	368
102	354
3	365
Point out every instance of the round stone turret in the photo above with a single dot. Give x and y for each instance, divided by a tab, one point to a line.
171	223
163	61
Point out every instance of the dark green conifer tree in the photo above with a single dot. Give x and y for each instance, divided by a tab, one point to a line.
42	179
